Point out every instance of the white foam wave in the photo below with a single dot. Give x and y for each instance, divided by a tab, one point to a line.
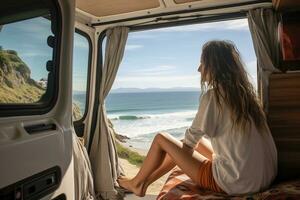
150	123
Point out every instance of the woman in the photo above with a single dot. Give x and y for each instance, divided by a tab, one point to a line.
243	157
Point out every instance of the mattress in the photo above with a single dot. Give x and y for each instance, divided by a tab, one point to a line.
180	186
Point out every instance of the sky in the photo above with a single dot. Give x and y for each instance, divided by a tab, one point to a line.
170	57
29	39
160	58
80	62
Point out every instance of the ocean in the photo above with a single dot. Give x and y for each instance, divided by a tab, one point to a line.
141	115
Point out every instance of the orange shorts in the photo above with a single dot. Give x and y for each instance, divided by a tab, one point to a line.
206	179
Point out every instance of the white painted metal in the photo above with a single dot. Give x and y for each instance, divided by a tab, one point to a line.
23	155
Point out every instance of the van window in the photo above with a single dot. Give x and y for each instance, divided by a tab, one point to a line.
157	87
30	35
81	60
23	56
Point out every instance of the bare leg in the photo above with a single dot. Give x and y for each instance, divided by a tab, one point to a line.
186	158
203	147
164	168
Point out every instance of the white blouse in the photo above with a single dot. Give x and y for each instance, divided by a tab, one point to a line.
243	162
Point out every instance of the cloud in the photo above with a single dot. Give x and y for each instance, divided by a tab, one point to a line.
251	68
79	86
36	28
160	81
238	24
156	70
35	25
129	47
165	58
162	76
34	54
81	44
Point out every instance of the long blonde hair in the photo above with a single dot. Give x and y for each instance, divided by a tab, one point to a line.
226	74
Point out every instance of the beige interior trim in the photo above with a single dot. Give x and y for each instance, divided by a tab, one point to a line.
185	1
164	7
100	8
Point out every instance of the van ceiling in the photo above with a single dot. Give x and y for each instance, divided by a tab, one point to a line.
102	8
109	10
184	1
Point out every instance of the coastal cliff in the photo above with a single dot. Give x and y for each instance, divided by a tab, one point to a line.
16	85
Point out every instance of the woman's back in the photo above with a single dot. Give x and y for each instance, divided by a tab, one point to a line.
244	160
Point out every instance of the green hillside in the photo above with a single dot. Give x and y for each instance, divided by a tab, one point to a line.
16	86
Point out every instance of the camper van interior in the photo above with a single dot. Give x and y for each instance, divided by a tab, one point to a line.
86	85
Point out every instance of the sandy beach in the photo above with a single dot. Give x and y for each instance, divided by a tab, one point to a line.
138	150
131	170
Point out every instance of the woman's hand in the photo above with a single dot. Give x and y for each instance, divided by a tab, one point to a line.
204	148
186	147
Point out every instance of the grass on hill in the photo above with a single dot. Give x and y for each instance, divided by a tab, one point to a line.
131	156
16	86
25	93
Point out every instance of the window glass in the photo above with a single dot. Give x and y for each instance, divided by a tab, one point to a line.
80	74
24	53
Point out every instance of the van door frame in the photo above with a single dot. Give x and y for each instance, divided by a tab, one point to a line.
27	155
102	35
79	125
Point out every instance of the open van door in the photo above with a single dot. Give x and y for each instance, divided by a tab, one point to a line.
36	132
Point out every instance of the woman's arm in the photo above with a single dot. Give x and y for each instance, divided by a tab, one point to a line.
204	148
205	121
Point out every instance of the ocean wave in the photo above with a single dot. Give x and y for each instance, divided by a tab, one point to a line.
135	124
130	117
189	115
176	132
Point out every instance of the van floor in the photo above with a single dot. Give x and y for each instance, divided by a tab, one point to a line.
133	197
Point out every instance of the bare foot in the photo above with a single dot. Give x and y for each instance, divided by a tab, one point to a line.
129	184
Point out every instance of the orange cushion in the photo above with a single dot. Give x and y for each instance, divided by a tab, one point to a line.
180	186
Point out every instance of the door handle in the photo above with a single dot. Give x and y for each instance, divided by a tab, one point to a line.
37	128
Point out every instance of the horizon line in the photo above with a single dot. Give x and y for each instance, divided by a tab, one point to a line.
145	88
